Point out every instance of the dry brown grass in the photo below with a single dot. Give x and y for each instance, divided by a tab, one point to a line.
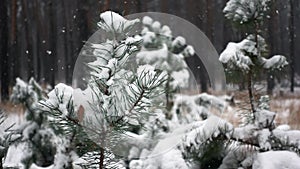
288	111
285	104
8	107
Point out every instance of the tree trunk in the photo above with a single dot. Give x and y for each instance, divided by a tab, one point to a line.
1	165
168	91
3	51
250	92
203	78
291	34
28	38
13	41
52	43
272	33
209	19
67	43
102	149
101	163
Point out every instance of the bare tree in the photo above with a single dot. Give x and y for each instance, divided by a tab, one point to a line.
4	59
292	37
272	33
52	42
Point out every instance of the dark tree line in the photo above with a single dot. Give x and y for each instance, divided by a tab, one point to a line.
3	50
42	38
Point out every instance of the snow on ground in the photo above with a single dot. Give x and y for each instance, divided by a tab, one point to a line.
12	119
285	104
277	160
15	154
287	109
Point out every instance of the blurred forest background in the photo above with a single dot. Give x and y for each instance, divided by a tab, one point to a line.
42	38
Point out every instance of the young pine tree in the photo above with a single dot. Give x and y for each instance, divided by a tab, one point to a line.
118	97
247	58
32	134
165	52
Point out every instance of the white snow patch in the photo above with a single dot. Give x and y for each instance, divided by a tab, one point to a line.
111	21
147	20
15	155
275	62
277	160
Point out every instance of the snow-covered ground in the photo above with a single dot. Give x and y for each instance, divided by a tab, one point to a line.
285	104
287	109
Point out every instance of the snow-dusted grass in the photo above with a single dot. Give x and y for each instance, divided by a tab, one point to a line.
277	160
8	107
288	111
283	102
287	108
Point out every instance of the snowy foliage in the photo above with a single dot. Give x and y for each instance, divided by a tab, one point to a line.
275	62
243	11
33	132
165	52
60	98
27	94
243	54
187	108
176	148
91	160
118	85
214	138
5	134
122	111
276	160
247	59
182	129
118	96
113	23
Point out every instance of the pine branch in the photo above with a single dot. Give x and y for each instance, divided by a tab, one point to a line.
132	107
138	100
